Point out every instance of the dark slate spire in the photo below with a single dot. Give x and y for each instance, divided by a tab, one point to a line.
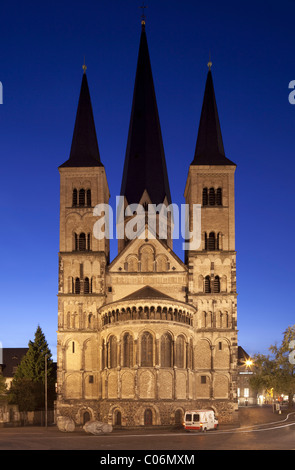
209	147
145	164
84	150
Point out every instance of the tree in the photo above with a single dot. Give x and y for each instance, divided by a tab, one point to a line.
276	371
28	385
3	389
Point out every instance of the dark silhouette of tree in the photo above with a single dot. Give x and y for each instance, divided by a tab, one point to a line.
28	385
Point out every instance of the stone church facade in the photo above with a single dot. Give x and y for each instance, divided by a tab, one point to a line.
147	336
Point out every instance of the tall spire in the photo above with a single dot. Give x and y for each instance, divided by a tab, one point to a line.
145	164
209	148
84	149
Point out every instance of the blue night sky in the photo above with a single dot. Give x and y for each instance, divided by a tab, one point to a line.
42	49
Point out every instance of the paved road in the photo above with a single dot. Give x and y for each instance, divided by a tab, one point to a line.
278	433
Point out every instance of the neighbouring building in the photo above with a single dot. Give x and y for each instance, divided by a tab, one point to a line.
11	358
246	394
148	335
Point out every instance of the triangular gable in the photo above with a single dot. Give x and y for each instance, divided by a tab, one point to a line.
159	247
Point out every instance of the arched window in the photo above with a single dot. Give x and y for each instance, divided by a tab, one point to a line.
148	417
127	350
86	286
132	264
88	197
166	350
75	197
147	259
205	196
103	355
180	352
211	241
211	197
82	197
219	196
82	242
207	285
217	284
218	241
90	320
112	352
147	345
77	285
161	263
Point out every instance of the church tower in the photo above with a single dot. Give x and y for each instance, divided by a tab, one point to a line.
82	258
212	266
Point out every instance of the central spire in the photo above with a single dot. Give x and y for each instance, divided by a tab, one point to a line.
145	164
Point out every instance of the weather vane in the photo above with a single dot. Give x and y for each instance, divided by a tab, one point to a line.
143	7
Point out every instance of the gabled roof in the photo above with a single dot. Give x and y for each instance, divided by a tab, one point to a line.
84	149
209	147
145	164
242	356
133	246
147	292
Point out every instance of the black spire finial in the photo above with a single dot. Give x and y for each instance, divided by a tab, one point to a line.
143	17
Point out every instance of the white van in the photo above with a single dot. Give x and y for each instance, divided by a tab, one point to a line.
200	420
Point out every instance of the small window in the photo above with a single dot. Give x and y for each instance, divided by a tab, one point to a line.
73	347
75	197
212	197
219	197
82	242
207	285
82	197
203	379
205	196
211	241
217	284
86	285
88	197
77	285
91	379
220	346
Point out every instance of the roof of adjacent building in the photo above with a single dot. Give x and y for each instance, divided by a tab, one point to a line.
11	358
242	356
84	149
209	147
145	164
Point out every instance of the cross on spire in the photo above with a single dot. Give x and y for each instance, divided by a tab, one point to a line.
210	62
84	67
143	17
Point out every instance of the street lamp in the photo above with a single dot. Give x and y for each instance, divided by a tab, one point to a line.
248	362
46	390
